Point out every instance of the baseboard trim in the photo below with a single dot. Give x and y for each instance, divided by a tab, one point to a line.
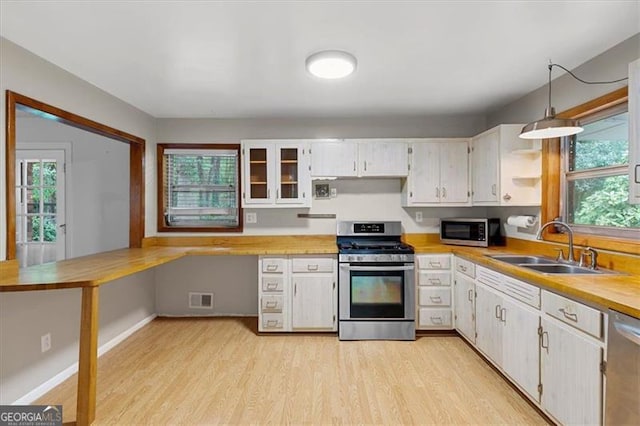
36	393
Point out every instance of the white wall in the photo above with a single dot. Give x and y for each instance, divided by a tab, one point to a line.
566	92
24	317
232	280
97	183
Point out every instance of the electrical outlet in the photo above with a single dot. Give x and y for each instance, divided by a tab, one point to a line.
418	216
45	342
252	217
333	192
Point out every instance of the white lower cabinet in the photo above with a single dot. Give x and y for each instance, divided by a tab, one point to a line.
488	324
433	290
571	363
464	296
297	293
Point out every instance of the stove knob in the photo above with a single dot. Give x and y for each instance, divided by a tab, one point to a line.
397	257
359	258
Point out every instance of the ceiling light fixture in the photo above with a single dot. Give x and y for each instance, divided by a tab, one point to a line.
331	64
550	126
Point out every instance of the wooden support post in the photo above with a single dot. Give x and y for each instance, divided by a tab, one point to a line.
88	358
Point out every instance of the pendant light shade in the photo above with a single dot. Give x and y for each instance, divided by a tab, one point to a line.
550	127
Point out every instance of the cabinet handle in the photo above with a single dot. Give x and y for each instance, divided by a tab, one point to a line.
312	267
493	189
295	288
542	345
436	320
506	197
444	192
497	313
272	267
434	264
268	193
568	315
354	166
410	194
272	286
271	304
470	295
503	318
462	268
365	166
272	323
435	281
437	192
435	299
277	193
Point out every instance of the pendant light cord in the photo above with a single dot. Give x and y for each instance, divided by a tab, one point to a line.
551	65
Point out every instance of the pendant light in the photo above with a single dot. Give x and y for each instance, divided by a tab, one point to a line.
551	126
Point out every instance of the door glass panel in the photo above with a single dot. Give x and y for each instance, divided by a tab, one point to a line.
49	230
49	173
33	173
49	201
289	173
33	228
258	172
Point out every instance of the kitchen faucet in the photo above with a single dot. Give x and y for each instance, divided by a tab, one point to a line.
571	259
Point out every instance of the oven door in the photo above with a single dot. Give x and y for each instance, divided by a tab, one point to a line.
376	291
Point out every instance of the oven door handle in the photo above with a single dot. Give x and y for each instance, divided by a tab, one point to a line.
381	268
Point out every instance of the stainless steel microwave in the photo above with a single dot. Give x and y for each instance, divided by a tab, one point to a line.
477	232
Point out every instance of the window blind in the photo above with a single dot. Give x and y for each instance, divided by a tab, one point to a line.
201	188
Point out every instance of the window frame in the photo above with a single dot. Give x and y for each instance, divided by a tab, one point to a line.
552	180
162	226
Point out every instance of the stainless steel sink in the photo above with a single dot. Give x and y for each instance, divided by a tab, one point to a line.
514	259
561	268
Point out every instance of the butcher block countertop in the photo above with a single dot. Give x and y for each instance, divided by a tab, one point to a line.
616	291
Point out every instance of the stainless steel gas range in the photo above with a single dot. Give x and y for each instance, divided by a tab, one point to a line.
376	292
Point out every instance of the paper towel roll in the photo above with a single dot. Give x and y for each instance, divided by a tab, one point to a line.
521	221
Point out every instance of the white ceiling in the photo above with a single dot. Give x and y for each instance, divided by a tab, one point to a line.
246	58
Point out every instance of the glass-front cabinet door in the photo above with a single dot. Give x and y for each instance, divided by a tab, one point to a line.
276	174
258	178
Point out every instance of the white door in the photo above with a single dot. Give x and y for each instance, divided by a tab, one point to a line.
464	298
571	377
40	206
425	173
259	164
313	302
521	345
454	172
383	158
485	168
488	324
334	159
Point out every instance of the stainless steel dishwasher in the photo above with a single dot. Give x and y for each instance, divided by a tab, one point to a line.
623	370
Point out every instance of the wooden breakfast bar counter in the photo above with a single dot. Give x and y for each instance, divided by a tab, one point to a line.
620	292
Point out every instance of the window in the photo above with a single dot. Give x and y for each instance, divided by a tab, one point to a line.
199	188
595	188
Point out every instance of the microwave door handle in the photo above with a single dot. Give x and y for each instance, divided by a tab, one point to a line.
381	268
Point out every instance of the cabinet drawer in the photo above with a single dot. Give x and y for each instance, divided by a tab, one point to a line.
522	291
434	296
431	261
573	313
465	267
440	318
273	265
319	264
272	283
272	321
434	278
271	303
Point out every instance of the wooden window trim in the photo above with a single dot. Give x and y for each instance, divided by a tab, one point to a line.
136	163
162	227
551	177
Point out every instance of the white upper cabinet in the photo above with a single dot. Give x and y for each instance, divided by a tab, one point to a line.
383	158
438	173
276	174
634	132
359	158
506	170
334	158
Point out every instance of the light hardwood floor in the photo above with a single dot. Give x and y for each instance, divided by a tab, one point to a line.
211	371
